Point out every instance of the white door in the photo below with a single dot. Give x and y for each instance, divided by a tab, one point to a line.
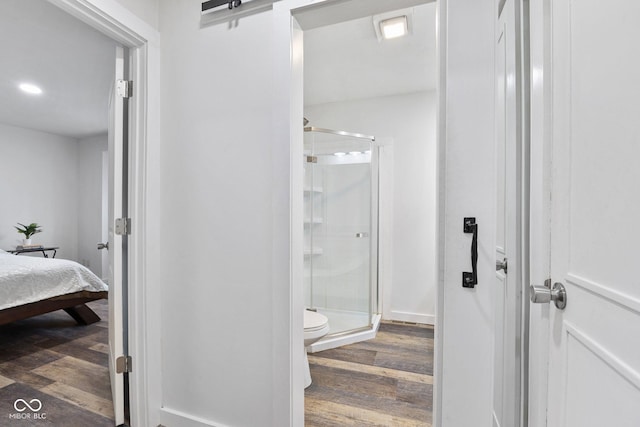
594	343
116	294
507	290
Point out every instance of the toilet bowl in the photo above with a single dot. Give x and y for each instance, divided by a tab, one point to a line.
316	326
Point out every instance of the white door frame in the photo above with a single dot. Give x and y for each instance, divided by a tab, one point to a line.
540	204
467	171
118	23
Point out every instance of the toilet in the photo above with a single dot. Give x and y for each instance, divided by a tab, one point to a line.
316	326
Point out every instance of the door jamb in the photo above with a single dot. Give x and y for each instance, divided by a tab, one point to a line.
118	23
540	126
441	178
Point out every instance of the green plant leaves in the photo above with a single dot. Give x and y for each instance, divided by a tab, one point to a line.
28	230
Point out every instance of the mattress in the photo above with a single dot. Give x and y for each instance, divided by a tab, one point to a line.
25	279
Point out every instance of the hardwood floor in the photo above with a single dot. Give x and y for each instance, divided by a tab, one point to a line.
387	381
382	382
64	365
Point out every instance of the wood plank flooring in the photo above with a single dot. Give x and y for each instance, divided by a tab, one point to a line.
63	364
387	381
382	382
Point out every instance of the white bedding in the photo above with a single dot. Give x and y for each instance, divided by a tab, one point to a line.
25	279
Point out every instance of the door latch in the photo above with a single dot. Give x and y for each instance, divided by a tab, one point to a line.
501	265
546	294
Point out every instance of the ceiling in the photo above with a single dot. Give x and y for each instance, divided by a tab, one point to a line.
71	62
345	61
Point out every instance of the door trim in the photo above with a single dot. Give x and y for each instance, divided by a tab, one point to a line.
441	224
118	23
540	116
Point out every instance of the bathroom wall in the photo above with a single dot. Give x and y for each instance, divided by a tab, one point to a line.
407	122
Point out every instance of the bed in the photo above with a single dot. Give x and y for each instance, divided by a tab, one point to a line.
30	286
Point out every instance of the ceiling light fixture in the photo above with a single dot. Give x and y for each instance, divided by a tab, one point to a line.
394	24
30	88
394	27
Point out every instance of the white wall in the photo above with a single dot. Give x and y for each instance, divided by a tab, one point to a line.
146	10
223	171
221	275
54	181
39	184
409	120
464	338
89	169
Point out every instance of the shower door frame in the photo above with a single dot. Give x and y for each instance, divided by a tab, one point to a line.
362	333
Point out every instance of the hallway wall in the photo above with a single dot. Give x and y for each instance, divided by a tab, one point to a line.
146	10
220	263
220	196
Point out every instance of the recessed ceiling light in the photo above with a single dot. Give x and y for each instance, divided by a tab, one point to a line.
394	27
393	24
30	88
340	154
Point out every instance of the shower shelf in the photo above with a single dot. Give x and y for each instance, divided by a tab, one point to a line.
315	189
315	220
314	251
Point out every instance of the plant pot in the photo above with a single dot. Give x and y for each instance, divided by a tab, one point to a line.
26	242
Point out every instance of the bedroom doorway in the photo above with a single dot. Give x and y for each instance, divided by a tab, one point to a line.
30	20
118	231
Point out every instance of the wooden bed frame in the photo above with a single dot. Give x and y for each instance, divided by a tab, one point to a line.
73	304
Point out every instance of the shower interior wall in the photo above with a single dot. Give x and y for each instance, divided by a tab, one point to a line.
405	124
340	267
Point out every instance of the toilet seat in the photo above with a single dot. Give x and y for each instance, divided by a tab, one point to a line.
314	321
316	326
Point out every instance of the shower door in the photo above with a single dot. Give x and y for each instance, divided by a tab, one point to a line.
340	267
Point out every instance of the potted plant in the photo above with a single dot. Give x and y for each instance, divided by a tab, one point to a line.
28	231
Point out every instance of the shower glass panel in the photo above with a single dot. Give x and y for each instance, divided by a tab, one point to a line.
340	239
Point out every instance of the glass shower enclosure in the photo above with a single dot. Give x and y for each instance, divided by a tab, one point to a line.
341	233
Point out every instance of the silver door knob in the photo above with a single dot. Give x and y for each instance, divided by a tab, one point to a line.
103	246
501	265
544	295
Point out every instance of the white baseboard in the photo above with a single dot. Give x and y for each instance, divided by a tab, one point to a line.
403	316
